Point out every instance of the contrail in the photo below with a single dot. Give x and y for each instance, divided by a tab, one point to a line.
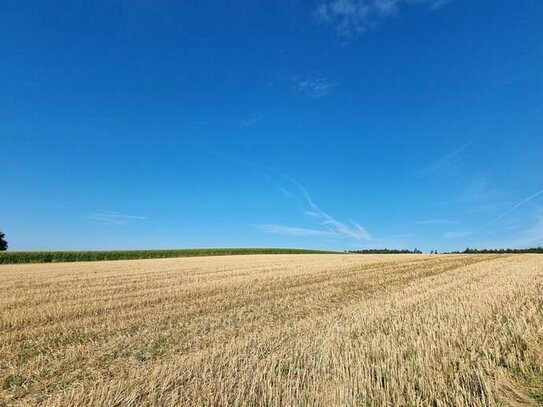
450	159
513	208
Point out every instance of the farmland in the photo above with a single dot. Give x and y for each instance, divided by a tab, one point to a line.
100	255
274	330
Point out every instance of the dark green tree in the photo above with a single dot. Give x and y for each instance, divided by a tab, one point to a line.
3	242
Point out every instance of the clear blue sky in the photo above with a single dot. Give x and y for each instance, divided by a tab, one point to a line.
334	124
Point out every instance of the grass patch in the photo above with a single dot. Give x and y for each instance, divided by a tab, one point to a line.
13	381
538	397
142	355
65	340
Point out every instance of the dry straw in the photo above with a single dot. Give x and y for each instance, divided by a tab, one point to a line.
274	330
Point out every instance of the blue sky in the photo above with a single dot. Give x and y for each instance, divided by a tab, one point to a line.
335	124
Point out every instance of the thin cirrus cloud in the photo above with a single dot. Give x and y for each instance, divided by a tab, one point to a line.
252	120
293	231
448	161
533	236
358	16
518	205
352	230
437	222
314	88
114	218
331	227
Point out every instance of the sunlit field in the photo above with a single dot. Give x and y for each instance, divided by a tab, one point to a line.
274	330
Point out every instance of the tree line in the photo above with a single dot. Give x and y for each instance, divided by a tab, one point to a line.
483	251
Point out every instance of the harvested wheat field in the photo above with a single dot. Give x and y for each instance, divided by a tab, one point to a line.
274	330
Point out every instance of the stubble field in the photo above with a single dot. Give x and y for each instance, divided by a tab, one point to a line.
274	330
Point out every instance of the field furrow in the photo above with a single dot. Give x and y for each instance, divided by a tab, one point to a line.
274	330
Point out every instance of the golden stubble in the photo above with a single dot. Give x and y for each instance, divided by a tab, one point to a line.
274	330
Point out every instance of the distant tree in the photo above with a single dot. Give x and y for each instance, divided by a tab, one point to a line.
501	251
3	242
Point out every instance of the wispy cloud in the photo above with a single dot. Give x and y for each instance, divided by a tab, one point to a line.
477	197
330	226
352	230
448	161
358	16
293	231
525	237
437	222
252	120
518	205
534	235
115	218
284	191
314	88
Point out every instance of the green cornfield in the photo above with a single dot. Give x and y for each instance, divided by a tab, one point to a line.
72	256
